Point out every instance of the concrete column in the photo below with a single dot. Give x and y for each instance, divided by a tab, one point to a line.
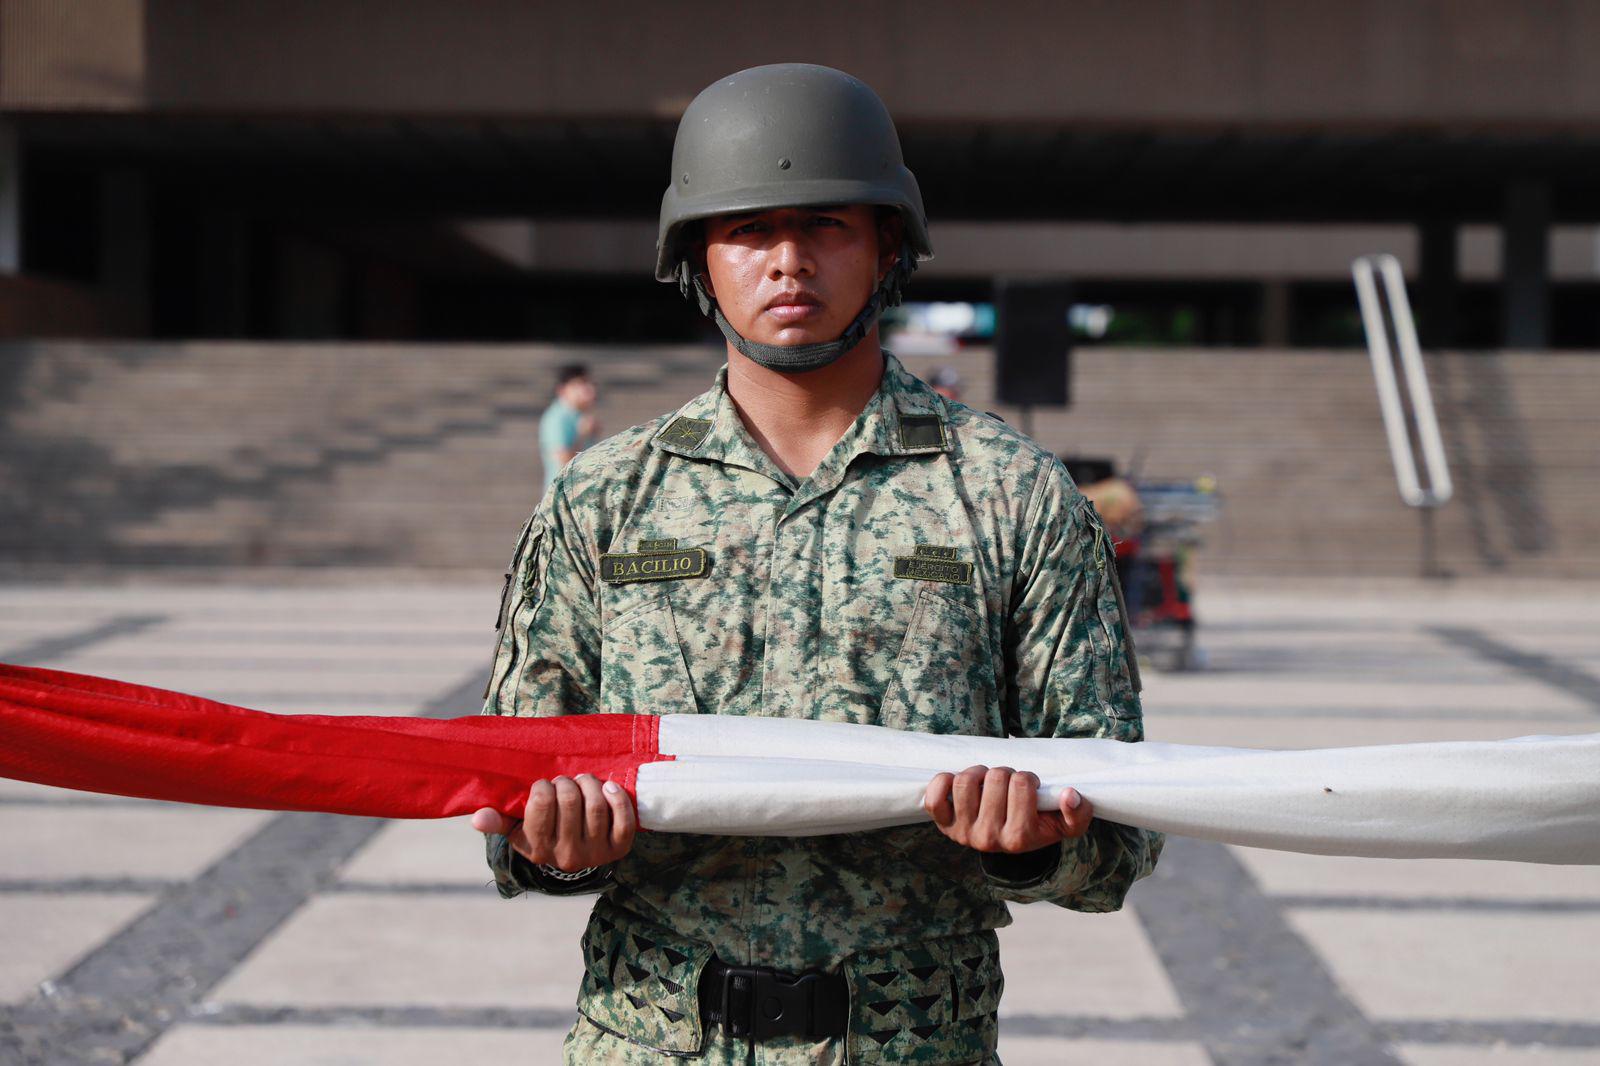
10	200
1276	311
125	250
1437	288
1525	265
224	283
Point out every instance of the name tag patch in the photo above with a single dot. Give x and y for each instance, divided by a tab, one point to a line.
622	568
931	563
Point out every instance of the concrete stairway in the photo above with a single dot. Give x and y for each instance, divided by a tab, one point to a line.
240	454
1296	443
304	454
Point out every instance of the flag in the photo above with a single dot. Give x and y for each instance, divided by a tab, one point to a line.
1532	799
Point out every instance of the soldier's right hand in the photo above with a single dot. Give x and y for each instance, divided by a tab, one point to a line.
569	823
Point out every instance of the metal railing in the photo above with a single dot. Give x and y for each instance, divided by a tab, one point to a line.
1395	410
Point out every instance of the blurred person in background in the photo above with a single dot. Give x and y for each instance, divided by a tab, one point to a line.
569	424
819	535
1113	495
1121	510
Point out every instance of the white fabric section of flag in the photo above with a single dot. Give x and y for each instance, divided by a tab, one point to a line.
1532	799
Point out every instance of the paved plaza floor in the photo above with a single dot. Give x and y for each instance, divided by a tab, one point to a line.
175	936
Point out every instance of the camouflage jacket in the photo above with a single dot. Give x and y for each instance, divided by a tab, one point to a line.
938	571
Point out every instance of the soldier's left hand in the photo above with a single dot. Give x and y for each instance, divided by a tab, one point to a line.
996	810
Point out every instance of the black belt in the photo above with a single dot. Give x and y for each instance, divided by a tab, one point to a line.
757	1002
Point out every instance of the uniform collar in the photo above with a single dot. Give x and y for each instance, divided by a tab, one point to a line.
904	417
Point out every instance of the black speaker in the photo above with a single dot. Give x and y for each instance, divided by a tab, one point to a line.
1032	342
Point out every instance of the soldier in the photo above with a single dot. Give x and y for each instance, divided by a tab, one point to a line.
853	547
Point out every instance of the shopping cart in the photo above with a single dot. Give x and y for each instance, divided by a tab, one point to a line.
1155	569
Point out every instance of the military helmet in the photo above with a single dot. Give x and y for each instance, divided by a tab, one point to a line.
785	135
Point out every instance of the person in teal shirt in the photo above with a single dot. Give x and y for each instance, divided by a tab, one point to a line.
569	424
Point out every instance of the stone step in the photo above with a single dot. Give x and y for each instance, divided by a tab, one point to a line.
398	454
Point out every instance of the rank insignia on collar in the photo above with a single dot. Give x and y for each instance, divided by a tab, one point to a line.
685	432
921	431
626	567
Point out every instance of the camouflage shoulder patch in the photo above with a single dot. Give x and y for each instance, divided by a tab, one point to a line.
685	432
921	431
626	567
921	568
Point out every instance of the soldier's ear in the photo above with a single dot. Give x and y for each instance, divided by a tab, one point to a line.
697	258
891	235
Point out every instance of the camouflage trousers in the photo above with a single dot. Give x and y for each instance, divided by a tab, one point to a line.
931	1003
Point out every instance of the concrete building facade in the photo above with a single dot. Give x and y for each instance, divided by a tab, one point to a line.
413	169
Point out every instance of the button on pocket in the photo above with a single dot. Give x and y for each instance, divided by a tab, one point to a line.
943	679
642	669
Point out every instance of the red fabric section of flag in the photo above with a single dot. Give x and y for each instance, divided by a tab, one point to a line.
97	735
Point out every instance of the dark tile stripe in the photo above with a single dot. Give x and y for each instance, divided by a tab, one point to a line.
389	1017
1257	991
1065	1026
87	799
372	636
55	647
1548	669
1089	1027
1384	714
97	886
362	663
1514	1033
1440	903
468	889
414	888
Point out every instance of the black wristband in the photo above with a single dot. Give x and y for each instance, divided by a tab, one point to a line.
1024	870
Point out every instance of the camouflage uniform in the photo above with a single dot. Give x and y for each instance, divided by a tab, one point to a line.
939	572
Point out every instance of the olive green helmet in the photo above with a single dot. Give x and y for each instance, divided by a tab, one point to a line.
787	135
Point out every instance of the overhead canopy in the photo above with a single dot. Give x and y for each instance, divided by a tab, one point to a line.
441	166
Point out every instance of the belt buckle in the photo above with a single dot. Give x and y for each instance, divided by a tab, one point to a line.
772	1005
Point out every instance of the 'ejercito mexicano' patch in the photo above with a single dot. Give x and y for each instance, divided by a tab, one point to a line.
930	551
921	568
620	569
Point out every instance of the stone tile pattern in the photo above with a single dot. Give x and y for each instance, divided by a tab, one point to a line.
401	952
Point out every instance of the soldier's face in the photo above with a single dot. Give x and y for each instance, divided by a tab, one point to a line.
797	275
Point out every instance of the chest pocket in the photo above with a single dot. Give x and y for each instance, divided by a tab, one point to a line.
943	679
642	669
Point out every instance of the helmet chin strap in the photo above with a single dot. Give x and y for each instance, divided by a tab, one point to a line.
799	358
